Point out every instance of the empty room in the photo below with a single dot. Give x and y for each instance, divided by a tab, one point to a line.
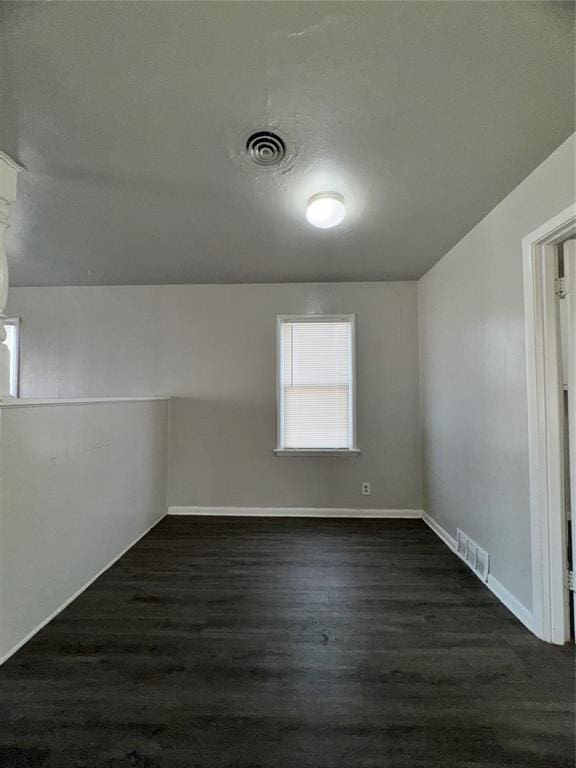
287	384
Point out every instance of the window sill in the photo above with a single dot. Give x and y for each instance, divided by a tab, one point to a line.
317	451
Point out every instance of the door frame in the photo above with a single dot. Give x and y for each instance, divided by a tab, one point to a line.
550	608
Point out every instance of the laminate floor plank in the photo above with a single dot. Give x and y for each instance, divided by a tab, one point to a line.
287	643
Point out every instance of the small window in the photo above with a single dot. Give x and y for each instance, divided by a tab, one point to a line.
316	386
12	326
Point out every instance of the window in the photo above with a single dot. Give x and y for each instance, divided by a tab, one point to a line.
12	326
316	397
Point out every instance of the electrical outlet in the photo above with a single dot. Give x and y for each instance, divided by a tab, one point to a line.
366	489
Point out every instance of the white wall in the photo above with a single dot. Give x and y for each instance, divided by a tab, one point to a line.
79	484
213	347
473	373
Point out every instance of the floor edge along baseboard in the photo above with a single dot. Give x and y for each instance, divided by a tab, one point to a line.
518	609
523	614
409	514
77	593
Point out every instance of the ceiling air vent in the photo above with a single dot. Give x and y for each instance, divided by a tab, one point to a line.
265	148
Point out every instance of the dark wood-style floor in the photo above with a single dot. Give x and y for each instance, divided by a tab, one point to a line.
287	643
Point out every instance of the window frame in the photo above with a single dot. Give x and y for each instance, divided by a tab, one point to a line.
280	450
15	358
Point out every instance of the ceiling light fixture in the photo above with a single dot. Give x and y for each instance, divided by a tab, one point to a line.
326	210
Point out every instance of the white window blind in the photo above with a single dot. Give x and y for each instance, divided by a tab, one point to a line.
316	369
12	328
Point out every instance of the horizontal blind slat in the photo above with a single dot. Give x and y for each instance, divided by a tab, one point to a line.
316	383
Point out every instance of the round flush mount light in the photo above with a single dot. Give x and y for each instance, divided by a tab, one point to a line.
326	210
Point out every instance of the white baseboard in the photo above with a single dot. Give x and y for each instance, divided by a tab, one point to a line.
412	514
507	598
76	594
442	533
519	610
514	605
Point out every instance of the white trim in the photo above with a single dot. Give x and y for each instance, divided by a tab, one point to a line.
557	229
569	250
35	403
409	514
280	450
10	162
441	532
519	610
15	358
76	594
317	452
353	412
514	605
545	429
318	318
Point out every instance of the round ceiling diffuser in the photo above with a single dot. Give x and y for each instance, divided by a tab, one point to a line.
265	148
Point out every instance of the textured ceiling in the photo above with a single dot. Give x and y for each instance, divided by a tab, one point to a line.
130	118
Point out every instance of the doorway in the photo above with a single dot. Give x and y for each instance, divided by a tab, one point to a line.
567	319
550	308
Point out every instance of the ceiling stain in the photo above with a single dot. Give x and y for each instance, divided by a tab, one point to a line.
325	25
